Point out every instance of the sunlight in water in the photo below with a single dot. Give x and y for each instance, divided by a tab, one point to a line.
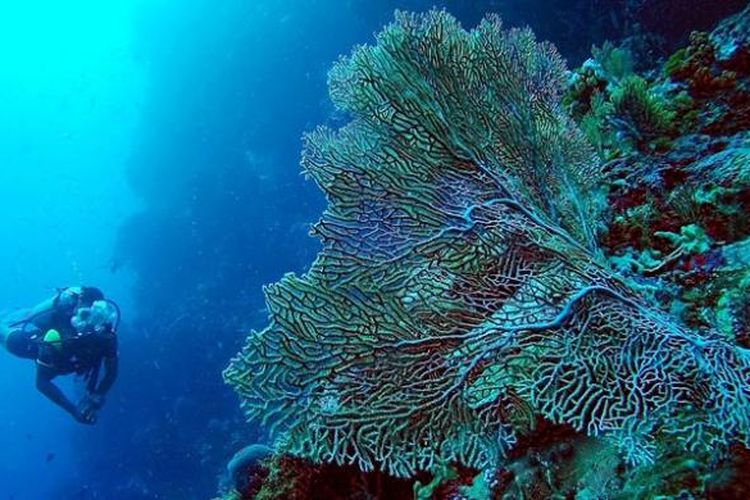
40	36
71	90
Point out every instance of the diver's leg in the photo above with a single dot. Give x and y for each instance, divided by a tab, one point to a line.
21	343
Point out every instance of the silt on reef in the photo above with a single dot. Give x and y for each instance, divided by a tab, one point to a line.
496	311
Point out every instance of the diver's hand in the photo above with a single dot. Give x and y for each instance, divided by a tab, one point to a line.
96	401
86	411
86	416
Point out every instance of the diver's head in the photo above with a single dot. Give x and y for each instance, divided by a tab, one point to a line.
89	295
74	297
100	316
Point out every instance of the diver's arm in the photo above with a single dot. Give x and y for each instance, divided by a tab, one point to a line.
65	300
111	364
42	307
44	384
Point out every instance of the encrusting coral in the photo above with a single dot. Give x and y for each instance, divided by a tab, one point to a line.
461	293
695	186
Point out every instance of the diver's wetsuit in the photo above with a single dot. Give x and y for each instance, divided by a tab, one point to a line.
64	336
78	354
24	340
74	353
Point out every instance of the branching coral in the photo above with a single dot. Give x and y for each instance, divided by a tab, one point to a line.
460	292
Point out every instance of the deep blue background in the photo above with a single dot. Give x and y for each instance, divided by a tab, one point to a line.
169	175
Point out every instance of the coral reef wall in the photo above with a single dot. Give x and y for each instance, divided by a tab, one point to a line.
461	293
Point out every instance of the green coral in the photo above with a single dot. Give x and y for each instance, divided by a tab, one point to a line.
731	300
629	108
231	495
644	113
616	62
734	297
478	490
692	239
632	261
716	197
676	62
596	126
442	473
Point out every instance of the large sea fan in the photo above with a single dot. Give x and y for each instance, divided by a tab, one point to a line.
460	293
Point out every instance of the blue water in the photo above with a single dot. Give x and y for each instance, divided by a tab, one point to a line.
151	148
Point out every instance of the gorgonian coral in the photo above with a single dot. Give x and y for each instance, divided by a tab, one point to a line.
460	293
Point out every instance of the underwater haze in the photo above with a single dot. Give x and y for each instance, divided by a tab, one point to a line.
151	148
70	92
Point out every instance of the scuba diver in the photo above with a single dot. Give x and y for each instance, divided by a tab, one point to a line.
72	332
